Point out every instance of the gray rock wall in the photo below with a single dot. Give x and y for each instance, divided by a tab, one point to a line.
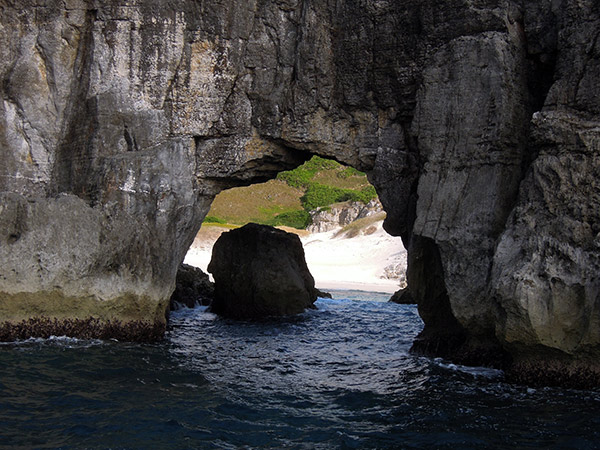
477	121
341	214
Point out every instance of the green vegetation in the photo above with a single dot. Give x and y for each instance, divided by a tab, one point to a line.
322	180
295	219
213	219
348	172
318	195
228	226
259	203
287	200
301	177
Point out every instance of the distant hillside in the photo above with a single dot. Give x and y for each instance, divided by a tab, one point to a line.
288	199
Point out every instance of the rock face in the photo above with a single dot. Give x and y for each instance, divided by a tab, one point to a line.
477	121
192	288
402	297
339	215
259	272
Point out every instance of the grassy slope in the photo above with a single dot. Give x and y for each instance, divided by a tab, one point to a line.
330	178
257	203
261	203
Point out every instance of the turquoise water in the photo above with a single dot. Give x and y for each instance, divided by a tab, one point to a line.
338	377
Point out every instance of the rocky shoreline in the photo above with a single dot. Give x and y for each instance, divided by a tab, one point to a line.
90	328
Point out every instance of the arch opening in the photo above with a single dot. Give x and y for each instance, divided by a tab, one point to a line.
335	211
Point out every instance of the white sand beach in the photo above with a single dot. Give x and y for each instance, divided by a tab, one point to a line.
354	263
335	262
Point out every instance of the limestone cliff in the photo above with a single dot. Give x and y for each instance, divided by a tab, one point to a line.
342	214
476	120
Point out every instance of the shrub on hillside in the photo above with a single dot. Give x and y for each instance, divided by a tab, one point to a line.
318	195
316	163
296	178
213	219
318	179
302	175
364	195
295	219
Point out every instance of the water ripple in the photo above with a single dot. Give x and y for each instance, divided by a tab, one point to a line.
337	377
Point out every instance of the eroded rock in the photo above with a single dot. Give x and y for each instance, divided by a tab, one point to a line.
477	122
193	288
259	272
403	297
341	214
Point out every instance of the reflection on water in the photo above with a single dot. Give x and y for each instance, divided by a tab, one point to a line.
337	377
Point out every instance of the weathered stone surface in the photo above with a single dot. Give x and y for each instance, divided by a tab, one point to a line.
544	277
339	215
545	272
112	152
192	288
520	267
259	272
471	146
477	121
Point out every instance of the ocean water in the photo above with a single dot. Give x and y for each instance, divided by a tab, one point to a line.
339	377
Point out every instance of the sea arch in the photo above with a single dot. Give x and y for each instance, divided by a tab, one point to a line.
119	124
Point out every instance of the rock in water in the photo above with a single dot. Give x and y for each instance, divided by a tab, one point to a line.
323	294
192	288
403	297
260	271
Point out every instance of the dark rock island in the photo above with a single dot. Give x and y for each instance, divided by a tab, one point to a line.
477	122
260	272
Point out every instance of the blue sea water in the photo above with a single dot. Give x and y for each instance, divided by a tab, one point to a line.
339	377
